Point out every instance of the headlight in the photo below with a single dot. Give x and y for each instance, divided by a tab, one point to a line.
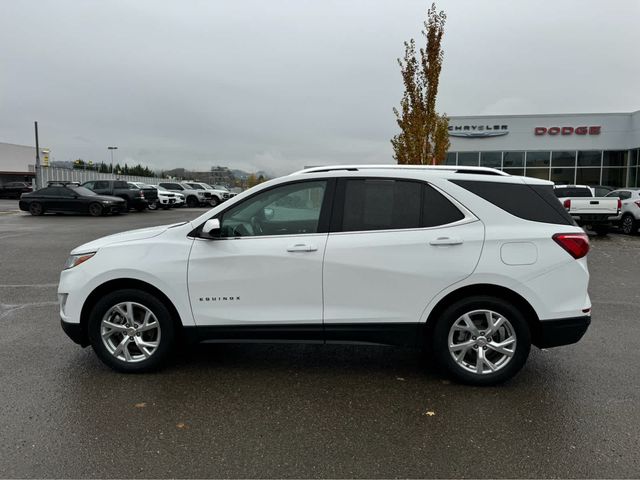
75	260
106	201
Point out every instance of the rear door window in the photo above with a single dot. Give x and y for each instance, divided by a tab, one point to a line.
390	204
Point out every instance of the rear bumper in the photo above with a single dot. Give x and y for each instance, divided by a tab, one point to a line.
592	219
75	332
562	331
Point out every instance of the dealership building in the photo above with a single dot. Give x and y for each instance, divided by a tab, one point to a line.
585	149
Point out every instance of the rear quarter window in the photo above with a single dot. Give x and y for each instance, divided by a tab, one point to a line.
536	203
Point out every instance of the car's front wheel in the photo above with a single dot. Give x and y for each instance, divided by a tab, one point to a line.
36	208
95	210
482	340
628	225
131	331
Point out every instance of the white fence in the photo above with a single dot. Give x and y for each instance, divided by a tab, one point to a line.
47	174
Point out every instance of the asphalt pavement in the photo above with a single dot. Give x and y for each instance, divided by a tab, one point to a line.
304	410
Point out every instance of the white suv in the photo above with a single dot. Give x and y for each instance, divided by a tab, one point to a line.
472	263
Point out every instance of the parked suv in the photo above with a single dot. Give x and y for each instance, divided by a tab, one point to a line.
217	196
193	197
629	217
474	264
119	188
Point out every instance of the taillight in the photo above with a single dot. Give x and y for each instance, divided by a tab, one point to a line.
576	244
637	202
567	203
619	204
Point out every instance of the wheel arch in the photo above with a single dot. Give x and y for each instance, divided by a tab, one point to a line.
489	290
120	284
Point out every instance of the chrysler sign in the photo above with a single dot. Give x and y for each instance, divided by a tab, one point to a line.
593	130
478	131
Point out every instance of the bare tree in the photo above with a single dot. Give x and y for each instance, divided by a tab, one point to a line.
424	138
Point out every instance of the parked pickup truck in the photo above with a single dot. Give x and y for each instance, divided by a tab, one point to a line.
14	189
588	211
119	188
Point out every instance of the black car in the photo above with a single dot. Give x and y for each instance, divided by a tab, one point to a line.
132	195
70	198
14	189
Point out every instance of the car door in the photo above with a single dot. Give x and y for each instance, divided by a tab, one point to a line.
266	267
102	187
394	245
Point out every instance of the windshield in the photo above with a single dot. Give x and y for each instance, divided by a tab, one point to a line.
161	189
220	187
196	186
83	191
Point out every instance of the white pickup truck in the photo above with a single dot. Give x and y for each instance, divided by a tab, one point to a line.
588	211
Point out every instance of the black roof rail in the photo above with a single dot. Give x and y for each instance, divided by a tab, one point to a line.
64	183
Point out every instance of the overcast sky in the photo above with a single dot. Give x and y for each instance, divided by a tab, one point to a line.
276	85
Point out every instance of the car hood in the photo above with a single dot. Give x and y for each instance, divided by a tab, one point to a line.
107	197
128	236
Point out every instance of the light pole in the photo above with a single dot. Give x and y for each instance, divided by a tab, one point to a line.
111	149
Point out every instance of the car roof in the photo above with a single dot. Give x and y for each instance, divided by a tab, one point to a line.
449	172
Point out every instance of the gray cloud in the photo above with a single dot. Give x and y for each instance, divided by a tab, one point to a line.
282	84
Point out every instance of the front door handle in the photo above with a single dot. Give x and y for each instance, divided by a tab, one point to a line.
446	241
302	247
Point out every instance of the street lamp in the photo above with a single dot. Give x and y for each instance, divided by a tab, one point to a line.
111	149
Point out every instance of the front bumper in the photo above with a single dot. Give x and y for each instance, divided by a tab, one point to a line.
75	332
562	331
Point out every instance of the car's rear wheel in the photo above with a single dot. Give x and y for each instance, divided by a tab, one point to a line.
36	208
153	205
214	202
628	225
95	209
131	331
192	202
482	340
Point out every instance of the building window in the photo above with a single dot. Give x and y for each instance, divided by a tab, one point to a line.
450	159
564	175
614	159
491	159
514	171
468	159
542	173
538	159
513	160
563	159
614	177
589	158
588	176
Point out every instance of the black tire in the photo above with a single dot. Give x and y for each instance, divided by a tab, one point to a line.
163	316
519	326
601	230
628	224
192	202
153	206
36	209
95	209
214	202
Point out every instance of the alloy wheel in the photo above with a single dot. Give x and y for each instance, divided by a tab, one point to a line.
130	332
35	208
627	225
482	341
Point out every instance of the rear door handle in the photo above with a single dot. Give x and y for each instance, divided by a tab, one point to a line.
446	241
302	247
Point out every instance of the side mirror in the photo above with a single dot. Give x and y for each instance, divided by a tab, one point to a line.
211	228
